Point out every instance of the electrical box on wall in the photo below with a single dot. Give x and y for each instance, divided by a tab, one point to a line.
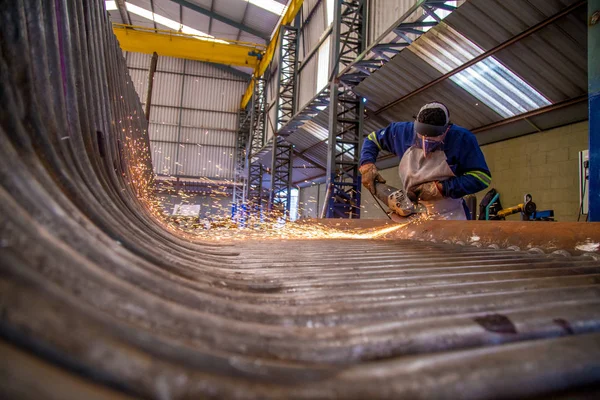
583	181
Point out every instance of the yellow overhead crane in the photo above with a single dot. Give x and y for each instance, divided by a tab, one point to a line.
176	44
288	17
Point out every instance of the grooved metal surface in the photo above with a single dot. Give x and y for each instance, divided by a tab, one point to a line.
99	300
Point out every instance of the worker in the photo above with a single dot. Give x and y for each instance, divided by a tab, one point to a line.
439	162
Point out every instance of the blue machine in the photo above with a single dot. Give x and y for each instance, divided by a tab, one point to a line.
528	210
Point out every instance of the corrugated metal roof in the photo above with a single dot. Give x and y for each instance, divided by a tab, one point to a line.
553	60
240	11
411	70
465	110
405	73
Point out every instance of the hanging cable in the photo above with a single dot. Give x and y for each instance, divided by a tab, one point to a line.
379	205
582	199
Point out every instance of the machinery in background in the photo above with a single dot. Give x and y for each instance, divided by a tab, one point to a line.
491	209
584	176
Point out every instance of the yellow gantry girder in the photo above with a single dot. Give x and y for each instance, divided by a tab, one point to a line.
176	44
288	17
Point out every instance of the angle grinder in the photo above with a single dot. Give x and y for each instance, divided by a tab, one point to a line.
397	201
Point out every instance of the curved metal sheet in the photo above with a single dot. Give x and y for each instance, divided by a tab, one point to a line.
99	299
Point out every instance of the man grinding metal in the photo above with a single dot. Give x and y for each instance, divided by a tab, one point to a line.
439	162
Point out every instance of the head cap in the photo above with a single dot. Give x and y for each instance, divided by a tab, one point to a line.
433	120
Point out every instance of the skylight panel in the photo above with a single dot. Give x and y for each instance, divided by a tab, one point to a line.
329	11
269	5
499	88
488	80
323	55
110	5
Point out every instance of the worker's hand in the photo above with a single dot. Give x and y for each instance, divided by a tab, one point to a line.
412	196
429	191
370	175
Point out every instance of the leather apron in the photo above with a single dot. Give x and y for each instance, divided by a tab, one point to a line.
415	169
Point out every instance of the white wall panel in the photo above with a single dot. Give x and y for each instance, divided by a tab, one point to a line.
212	94
213	162
272	88
163	132
204	69
163	157
307	83
168	89
170	64
384	13
208	120
139	77
308	199
313	30
271	122
208	137
193	135
138	60
163	115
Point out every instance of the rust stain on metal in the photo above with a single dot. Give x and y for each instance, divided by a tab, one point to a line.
496	323
564	324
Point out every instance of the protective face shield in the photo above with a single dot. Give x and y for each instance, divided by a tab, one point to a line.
430	144
430	137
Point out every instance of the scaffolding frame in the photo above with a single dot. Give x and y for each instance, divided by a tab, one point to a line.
282	153
346	113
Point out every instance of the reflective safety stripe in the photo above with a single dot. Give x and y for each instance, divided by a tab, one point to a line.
373	138
482	176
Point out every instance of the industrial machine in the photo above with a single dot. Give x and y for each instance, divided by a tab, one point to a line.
584	176
492	209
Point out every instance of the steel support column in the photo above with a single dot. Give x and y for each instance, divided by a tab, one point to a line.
153	63
240	175
281	177
254	193
281	166
345	114
594	107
